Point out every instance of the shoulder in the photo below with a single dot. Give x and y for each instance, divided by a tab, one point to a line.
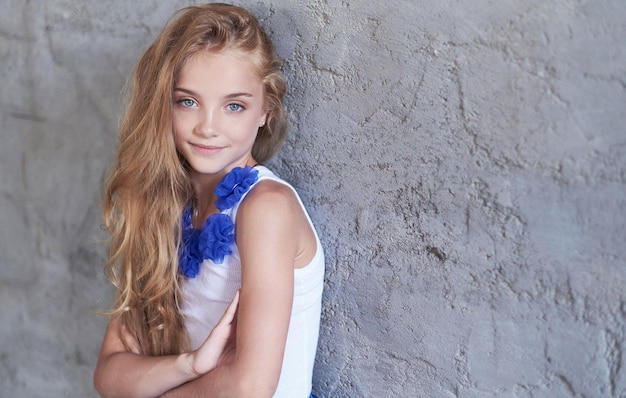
269	224
270	197
272	219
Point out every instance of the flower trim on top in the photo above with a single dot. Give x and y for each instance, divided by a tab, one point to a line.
234	184
213	240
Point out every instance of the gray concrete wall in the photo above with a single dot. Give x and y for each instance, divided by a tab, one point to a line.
464	161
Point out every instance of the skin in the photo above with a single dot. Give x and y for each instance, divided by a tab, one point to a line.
125	372
219	104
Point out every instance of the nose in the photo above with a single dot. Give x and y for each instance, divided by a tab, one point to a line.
208	124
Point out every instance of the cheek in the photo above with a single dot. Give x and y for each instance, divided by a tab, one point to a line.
180	125
177	134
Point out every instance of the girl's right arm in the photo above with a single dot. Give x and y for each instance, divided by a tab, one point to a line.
122	373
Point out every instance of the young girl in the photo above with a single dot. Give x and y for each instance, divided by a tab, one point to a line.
197	222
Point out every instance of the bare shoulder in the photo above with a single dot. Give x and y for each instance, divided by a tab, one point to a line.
271	197
272	213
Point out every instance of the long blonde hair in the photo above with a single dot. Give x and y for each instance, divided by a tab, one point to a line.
148	185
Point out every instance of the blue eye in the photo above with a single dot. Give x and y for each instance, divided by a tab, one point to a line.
186	102
235	107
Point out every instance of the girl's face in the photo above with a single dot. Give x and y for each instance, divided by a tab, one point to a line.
218	107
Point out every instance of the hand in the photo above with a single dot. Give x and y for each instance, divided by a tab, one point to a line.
219	346
131	343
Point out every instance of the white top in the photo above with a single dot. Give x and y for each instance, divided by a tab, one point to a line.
206	297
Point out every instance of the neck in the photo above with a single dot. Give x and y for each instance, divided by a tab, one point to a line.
204	192
204	197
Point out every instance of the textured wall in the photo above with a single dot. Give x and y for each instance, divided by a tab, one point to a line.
464	161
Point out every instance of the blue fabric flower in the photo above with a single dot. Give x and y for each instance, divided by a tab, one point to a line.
189	255
216	238
234	185
213	240
190	260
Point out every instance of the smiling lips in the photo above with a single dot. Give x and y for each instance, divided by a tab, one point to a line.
206	149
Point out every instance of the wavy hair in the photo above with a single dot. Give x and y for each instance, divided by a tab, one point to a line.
149	185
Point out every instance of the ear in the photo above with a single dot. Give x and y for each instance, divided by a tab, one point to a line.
263	120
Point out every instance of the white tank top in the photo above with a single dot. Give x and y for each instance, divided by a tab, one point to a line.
206	297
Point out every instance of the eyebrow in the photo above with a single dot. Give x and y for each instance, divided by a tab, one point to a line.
229	96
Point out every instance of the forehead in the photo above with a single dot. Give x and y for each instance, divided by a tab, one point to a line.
226	67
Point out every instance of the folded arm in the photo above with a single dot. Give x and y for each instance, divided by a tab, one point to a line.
123	373
267	238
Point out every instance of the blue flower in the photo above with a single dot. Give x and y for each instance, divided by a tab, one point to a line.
234	184
190	259
217	237
188	253
217	234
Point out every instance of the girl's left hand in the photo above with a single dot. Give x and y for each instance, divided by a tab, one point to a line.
219	345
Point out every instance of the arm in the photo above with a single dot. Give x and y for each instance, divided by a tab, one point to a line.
123	373
269	227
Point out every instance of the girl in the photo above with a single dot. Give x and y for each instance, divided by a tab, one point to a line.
194	219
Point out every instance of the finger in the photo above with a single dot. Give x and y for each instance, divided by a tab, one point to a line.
231	311
130	341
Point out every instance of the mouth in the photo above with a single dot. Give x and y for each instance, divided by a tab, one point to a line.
206	149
